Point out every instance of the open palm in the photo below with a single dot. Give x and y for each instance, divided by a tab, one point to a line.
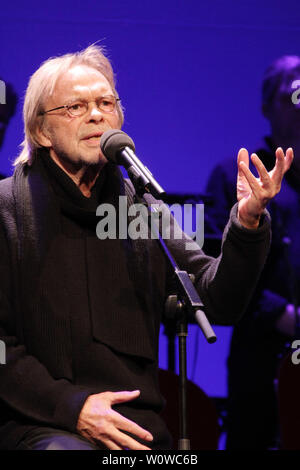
253	193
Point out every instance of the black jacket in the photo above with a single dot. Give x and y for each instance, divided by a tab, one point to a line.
45	380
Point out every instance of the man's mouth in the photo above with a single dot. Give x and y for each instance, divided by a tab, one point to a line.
94	136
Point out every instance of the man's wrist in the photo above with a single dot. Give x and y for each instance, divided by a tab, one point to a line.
249	222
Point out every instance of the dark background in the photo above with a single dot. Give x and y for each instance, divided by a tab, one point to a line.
189	75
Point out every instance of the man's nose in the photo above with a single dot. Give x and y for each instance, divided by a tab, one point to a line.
95	113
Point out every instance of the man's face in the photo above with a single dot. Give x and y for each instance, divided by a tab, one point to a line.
75	140
284	115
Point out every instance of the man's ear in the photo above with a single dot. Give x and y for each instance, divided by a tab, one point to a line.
42	136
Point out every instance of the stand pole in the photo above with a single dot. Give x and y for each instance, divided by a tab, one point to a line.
185	301
184	442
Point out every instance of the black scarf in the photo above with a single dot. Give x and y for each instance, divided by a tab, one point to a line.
124	315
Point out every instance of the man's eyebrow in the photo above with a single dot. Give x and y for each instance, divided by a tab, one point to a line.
74	98
81	98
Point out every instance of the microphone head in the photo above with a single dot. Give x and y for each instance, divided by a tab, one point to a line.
112	142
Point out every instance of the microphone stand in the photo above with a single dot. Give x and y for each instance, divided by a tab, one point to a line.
184	301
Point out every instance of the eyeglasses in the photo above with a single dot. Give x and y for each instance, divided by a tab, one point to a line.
107	104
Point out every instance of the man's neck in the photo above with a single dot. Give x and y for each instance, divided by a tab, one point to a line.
84	176
87	179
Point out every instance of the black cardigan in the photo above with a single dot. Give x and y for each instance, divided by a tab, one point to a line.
41	384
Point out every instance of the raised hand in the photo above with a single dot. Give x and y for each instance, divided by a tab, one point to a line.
253	193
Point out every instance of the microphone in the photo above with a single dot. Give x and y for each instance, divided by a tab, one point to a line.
119	148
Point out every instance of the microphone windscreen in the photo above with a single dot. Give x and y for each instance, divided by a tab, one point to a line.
112	142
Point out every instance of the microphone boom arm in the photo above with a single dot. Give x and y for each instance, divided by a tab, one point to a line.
146	178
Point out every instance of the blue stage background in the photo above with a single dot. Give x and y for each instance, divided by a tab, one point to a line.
189	76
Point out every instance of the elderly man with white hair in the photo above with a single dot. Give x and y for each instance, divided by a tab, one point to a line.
80	316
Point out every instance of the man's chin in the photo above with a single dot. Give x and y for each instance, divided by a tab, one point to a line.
91	160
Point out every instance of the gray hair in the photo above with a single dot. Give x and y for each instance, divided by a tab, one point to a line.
41	86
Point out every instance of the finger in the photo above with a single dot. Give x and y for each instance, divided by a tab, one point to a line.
128	442
121	397
252	181
243	156
130	426
279	167
283	163
110	444
289	157
261	169
279	157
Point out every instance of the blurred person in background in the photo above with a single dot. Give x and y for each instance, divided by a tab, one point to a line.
259	340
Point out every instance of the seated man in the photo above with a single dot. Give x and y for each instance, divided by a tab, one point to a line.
80	316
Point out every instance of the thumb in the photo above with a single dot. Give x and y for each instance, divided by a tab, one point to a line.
121	397
243	156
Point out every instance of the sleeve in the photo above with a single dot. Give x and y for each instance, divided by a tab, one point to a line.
267	305
227	283
26	387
